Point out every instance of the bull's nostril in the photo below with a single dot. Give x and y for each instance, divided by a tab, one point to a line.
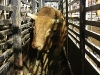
33	45
37	45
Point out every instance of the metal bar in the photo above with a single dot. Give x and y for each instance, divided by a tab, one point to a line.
6	8
82	34
94	7
33	6
93	48
4	33
74	25
25	2
5	44
73	37
5	22
73	32
25	31
26	25
25	42
93	23
93	58
74	18
25	11
6	54
4	27
75	10
25	37
4	68
88	33
51	0
16	18
72	2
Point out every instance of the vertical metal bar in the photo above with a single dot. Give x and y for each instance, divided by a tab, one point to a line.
33	6
82	33
39	4
67	27
17	38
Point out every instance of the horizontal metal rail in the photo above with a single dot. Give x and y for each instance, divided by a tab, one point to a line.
88	33
92	8
76	33
6	54
93	23
74	38
25	38
5	67
5	22
74	1
6	8
93	58
25	31
5	44
74	25
94	49
4	27
25	2
72	11
26	25
74	18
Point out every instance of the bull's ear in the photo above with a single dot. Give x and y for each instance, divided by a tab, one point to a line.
33	16
58	20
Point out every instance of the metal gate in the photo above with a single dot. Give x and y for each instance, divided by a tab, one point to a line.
15	28
84	36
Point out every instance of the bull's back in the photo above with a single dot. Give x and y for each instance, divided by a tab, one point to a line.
47	11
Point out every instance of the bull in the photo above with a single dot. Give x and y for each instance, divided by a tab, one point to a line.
49	30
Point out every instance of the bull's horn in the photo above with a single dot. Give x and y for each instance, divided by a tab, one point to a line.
33	16
58	20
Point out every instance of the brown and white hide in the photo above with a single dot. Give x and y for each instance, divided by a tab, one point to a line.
49	30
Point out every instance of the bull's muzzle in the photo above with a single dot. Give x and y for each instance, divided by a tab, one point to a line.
37	45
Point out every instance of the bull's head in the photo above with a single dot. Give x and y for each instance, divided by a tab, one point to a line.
42	28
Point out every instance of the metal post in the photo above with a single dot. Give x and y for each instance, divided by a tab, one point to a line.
33	6
67	27
82	33
17	38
